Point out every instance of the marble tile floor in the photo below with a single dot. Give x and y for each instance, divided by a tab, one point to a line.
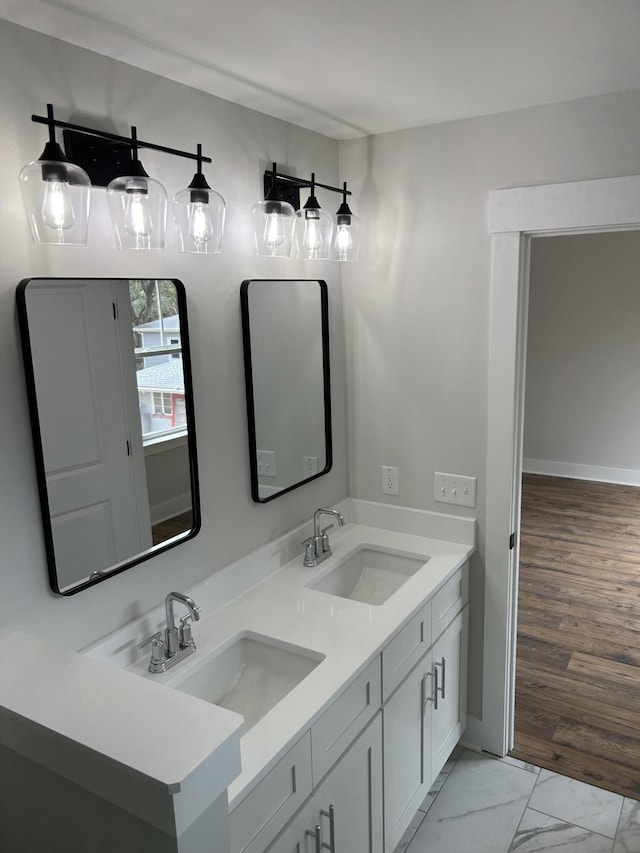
481	804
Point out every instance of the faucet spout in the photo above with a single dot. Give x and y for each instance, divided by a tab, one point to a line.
317	547
174	644
316	519
189	603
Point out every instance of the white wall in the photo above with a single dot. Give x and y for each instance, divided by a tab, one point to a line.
168	482
583	386
417	306
91	89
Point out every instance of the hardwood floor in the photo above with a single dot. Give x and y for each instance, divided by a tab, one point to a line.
578	655
171	527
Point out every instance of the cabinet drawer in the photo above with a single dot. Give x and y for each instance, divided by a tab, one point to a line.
449	601
345	719
273	801
405	650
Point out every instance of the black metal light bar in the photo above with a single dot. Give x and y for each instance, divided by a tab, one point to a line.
114	137
289	187
300	182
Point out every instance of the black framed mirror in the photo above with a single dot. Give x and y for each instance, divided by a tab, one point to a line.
108	374
285	324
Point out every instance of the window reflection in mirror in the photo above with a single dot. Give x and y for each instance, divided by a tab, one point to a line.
286	349
108	374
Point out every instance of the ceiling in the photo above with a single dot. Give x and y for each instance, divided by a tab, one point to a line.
348	68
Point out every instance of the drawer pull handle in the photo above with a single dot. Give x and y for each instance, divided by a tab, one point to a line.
331	846
317	834
425	693
436	688
441	690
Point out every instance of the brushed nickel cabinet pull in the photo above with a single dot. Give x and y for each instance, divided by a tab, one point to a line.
440	689
331	846
317	834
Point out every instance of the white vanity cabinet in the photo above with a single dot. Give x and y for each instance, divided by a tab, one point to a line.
344	815
407	751
449	703
353	787
273	801
354	781
424	717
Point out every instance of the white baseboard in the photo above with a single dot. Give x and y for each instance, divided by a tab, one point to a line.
169	509
597	473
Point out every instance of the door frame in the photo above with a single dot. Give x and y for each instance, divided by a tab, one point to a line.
515	217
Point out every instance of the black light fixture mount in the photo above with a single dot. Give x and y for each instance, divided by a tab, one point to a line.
137	202
103	155
311	238
289	186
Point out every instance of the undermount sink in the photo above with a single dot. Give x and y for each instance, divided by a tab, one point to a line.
249	675
370	575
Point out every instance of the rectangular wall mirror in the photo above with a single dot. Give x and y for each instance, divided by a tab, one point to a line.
286	354
109	384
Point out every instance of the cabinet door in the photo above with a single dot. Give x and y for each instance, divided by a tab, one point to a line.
299	836
346	807
407	751
353	791
449	706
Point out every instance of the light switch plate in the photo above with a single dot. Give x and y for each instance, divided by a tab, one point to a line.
454	489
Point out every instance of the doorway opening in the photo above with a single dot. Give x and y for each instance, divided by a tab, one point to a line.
578	649
515	217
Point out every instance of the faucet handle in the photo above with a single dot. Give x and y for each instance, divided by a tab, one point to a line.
150	639
156	664
325	538
309	546
185	630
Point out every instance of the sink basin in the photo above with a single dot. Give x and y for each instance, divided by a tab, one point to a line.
249	675
370	575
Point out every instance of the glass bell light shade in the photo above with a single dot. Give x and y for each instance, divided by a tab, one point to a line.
313	228
345	243
56	197
199	214
273	223
138	207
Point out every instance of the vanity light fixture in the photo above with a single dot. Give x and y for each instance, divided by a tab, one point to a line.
312	233
138	206
273	221
199	214
56	191
346	235
317	235
56	195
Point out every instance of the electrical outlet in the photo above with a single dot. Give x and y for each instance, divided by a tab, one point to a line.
309	466
454	489
390	480
266	463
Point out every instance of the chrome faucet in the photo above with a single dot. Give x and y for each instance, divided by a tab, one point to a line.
170	646
316	547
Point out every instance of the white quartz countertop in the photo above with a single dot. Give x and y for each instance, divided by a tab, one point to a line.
107	730
348	633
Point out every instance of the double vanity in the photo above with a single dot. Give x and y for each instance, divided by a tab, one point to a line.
344	683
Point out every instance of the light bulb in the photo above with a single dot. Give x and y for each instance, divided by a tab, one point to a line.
273	232
312	236
344	242
137	217
200	225
57	210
